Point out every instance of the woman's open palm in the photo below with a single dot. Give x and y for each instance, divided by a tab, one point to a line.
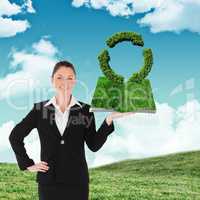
115	114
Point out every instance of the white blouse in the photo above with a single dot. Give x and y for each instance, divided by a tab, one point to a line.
60	117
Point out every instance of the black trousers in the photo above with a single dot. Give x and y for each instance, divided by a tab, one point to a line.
61	191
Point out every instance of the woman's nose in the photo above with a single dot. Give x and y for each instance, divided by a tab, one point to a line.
65	80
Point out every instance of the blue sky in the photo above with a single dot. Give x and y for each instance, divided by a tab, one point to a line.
41	32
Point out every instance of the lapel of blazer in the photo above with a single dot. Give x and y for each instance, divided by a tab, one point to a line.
51	118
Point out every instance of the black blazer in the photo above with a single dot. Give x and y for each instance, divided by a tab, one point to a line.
67	162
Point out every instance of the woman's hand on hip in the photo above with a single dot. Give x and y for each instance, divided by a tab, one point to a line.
41	167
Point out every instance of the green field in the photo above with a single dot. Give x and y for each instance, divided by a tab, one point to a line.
174	176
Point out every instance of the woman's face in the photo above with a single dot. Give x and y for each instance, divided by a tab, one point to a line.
64	80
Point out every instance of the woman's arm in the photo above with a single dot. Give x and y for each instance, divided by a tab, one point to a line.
95	139
17	135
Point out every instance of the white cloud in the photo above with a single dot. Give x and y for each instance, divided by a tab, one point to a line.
119	7
28	5
9	26
33	65
159	15
12	27
7	8
45	47
139	136
174	16
146	135
78	3
5	130
32	143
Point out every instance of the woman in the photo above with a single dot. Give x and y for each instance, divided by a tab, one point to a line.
63	124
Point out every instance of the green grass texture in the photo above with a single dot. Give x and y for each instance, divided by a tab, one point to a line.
126	97
169	177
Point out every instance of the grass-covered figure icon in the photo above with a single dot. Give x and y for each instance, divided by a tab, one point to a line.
112	93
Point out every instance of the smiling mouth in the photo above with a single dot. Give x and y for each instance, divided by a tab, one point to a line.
61	87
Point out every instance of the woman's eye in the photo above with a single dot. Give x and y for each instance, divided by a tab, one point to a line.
64	78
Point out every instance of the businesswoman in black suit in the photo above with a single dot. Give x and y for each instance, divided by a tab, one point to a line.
63	124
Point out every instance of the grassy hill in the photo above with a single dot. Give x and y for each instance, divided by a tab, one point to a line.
170	177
